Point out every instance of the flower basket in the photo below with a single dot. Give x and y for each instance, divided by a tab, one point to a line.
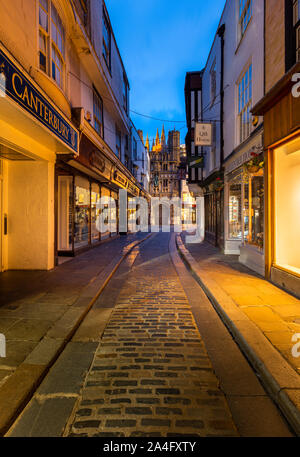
253	168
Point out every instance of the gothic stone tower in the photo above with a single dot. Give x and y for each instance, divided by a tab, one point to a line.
165	160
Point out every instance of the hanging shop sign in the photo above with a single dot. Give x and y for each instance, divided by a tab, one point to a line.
18	87
203	134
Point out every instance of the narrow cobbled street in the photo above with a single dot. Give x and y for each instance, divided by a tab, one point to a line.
151	375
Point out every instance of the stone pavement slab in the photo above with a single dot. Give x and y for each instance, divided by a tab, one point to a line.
268	351
45	321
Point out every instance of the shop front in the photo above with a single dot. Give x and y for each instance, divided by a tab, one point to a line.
86	195
281	112
88	198
244	205
33	133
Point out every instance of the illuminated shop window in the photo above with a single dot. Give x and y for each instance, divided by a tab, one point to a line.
51	42
82	211
254	210
286	206
95	212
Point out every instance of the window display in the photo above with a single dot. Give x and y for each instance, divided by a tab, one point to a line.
105	193
254	210
235	207
287	204
82	212
246	206
95	212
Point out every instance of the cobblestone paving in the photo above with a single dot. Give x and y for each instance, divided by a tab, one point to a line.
151	375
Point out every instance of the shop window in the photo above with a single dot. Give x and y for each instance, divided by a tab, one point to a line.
105	211
245	104
95	212
114	213
65	213
254	210
235	207
106	43
287	204
98	113
51	42
82	212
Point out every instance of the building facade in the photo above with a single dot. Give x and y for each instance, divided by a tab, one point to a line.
281	110
164	163
232	177
65	129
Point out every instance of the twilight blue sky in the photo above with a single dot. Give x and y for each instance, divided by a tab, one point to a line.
159	41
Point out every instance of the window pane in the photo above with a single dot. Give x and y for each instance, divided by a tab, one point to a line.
43	19
43	64
44	4
42	43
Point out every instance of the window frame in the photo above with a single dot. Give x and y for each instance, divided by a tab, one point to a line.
244	16
97	100
118	146
106	46
51	46
244	87
296	24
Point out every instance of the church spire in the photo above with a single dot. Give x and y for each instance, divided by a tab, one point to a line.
147	145
163	136
157	141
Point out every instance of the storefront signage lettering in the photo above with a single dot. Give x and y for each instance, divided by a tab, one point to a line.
239	161
22	91
120	180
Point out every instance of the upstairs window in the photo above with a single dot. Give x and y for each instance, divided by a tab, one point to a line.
134	151
51	42
213	83
98	113
296	15
245	13
125	94
106	44
118	142
245	104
